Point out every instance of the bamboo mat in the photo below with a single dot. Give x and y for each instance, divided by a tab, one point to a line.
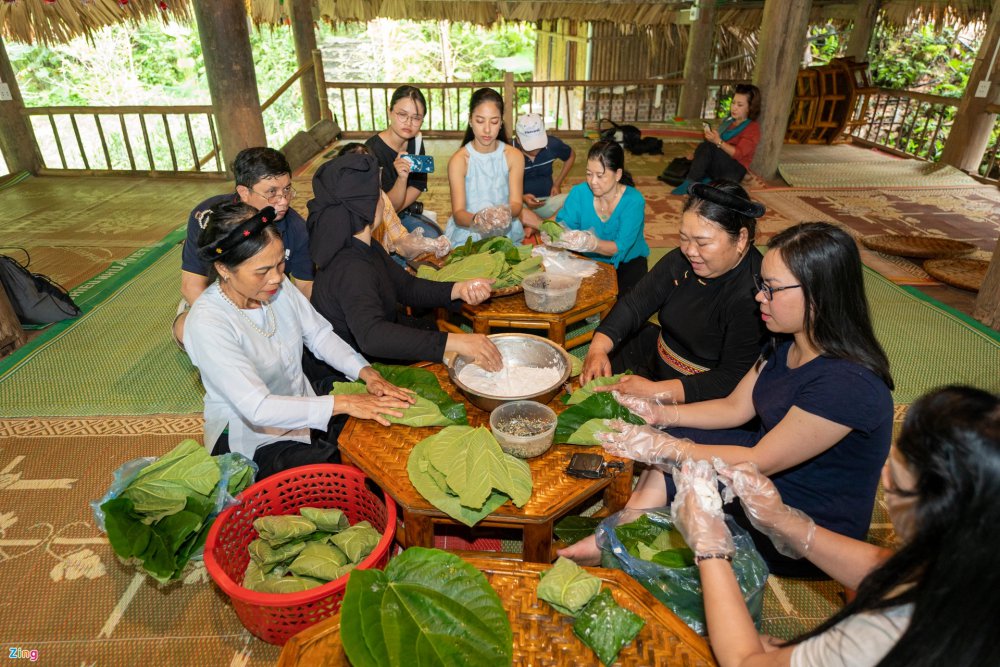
874	174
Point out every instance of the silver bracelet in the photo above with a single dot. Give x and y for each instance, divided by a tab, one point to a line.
725	557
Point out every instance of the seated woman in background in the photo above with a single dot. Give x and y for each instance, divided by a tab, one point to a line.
245	334
703	293
814	413
360	290
486	176
605	216
925	605
726	152
405	114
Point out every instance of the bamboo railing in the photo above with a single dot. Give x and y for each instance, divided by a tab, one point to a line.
124	139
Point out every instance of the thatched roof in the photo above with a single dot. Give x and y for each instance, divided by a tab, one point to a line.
60	20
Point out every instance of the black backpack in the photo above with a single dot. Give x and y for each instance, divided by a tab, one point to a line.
626	135
34	297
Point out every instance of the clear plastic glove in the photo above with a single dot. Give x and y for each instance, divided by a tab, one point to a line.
415	244
643	443
697	510
577	240
442	246
658	409
791	530
492	221
473	291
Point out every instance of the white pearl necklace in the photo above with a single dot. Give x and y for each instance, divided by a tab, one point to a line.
272	324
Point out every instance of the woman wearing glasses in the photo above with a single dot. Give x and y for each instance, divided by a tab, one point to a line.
728	150
814	413
406	113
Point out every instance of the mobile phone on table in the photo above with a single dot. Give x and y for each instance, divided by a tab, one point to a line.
420	164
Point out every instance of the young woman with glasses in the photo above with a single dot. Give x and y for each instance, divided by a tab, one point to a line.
814	413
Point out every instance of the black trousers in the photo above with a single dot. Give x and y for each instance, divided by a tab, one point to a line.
629	273
279	456
713	163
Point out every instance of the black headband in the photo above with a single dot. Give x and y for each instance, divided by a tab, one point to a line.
250	227
735	203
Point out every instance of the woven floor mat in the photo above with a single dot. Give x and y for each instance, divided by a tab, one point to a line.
119	358
874	174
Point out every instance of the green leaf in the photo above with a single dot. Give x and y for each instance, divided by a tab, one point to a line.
598	406
587	390
331	520
278	529
433	609
188	465
675	558
126	533
434	406
474	465
553	229
432	485
288	585
266	555
572	529
484	265
357	541
606	628
157	496
568	587
319	561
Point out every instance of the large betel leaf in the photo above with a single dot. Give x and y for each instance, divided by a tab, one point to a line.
331	520
606	628
598	406
513	477
587	390
196	469
429	486
471	461
439	610
361	619
423	412
424	383
179	452
568	587
482	265
127	534
158	497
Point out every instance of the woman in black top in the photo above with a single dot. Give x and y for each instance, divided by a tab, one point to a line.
360	289
703	293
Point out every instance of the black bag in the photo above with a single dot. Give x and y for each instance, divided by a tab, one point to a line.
676	171
627	135
35	298
647	146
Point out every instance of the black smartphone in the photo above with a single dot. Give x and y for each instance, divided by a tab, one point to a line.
706	126
588	466
420	164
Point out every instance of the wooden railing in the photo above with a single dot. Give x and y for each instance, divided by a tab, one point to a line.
567	106
125	139
912	123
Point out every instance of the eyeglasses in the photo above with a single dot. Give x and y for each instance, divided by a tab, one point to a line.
405	118
274	196
768	290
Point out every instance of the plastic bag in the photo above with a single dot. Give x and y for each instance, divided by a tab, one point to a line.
561	262
492	221
680	588
415	244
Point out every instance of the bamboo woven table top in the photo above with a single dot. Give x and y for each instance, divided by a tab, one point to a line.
382	452
542	636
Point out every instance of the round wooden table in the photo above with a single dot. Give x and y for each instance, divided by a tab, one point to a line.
382	452
596	297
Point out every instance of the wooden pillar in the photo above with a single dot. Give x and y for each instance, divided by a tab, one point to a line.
17	140
320	78
232	81
510	101
860	38
780	47
970	134
304	35
698	61
987	308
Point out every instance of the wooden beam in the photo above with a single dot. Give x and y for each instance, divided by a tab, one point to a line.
697	62
862	30
780	47
232	81
970	134
987	308
17	140
304	33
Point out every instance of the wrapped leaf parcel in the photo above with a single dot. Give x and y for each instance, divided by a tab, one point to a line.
429	608
462	471
568	587
157	513
296	552
433	407
553	229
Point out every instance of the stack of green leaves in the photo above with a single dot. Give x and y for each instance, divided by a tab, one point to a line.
572	529
587	390
161	518
497	258
578	424
433	407
601	623
429	608
553	229
296	552
462	471
656	543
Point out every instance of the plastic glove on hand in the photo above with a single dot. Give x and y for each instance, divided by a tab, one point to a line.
642	443
658	409
697	510
791	530
492	221
415	244
577	240
442	246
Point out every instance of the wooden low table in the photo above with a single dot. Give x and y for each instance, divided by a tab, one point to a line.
596	297
542	636
382	452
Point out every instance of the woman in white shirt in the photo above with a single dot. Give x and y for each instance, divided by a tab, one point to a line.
927	604
245	334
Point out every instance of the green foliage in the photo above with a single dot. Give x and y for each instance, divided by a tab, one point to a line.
567	587
919	57
606	627
577	425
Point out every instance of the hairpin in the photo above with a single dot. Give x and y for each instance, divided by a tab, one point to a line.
250	227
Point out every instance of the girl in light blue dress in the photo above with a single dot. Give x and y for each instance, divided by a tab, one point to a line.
486	176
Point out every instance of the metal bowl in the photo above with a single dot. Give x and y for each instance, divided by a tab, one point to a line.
524	350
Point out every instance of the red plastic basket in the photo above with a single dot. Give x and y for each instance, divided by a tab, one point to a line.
274	617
